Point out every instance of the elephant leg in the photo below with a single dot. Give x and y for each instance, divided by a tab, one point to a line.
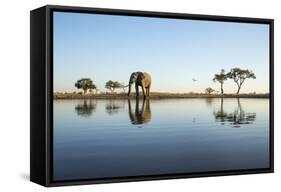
148	91
137	90
143	91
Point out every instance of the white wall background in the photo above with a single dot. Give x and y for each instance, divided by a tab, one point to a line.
14	94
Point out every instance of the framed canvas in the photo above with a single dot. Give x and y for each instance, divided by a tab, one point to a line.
125	95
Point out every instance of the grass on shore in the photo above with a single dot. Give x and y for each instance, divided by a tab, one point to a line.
153	95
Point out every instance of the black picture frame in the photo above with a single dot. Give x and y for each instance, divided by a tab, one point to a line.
41	93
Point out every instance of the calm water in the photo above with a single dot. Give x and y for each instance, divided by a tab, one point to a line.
109	138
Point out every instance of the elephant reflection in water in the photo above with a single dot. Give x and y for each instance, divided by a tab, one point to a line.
140	115
86	108
236	118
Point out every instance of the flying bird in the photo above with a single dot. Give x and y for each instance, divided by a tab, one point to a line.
194	80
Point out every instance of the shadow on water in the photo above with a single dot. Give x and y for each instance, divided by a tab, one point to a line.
237	118
113	107
86	108
141	115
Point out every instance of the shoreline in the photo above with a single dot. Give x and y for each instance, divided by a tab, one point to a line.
157	96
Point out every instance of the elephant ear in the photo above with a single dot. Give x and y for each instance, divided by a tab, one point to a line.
140	76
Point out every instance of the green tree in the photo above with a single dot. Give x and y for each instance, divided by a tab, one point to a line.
209	90
112	85
239	76
221	78
85	84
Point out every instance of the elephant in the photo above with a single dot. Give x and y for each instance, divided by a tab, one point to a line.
140	116
142	79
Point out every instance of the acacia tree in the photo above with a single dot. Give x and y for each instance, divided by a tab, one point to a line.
85	84
209	90
221	77
112	85
239	76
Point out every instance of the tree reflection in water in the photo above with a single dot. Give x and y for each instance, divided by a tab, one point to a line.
209	101
86	108
236	118
113	107
140	115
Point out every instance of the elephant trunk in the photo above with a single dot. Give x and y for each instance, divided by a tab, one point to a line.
131	81
129	91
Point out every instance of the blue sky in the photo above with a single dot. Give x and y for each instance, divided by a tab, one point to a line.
173	51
